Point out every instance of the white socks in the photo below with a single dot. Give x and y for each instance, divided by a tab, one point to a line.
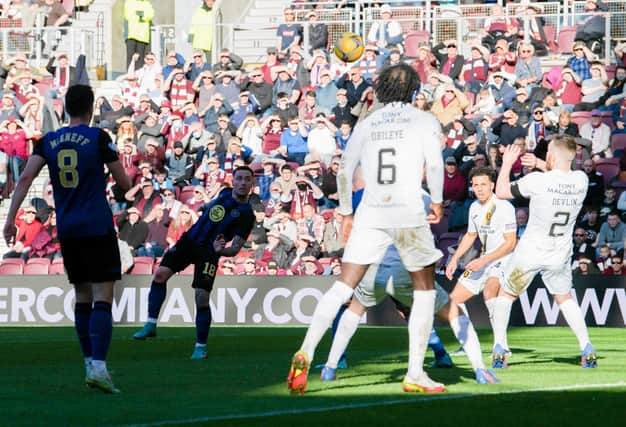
100	366
345	331
466	334
501	314
152	320
324	314
576	321
420	324
490	304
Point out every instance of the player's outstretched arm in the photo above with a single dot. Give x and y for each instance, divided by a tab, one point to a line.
503	185
219	245
119	175
31	170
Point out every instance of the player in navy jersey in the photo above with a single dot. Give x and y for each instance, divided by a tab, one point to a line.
228	218
76	156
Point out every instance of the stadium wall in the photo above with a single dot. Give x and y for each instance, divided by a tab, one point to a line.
265	300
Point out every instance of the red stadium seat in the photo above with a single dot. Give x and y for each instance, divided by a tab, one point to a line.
44	261
609	170
143	260
581	117
607	118
610	71
186	193
57	261
550	32
565	40
142	268
618	142
19	261
413	40
36	268
8	268
56	269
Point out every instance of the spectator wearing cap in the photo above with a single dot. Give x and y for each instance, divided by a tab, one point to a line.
179	165
385	32
158	221
196	66
580	62
326	92
342	111
354	84
452	104
318	32
502	59
285	83
501	90
154	155
8	108
179	90
600	135
508	127
211	176
450	63
145	173
247	105
392	56
183	222
528	72
28	226
174	129
316	65
521	105
260	90
143	197
264	181
370	62
454	183
271	62
22	85
307	265
569	92
304	245
133	230
289	34
593	88
424	63
276	251
474	72
201	28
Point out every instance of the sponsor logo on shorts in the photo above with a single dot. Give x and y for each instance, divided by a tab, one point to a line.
217	213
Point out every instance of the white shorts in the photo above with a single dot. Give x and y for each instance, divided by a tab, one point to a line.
522	269
393	280
474	281
416	246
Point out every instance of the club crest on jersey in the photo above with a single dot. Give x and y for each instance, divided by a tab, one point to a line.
217	213
235	213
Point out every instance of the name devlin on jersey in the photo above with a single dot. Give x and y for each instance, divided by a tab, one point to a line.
75	138
566	190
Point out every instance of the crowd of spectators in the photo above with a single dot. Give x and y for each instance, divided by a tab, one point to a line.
182	126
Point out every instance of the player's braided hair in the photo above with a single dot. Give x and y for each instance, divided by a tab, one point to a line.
397	84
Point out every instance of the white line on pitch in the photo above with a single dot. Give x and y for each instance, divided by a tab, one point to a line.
421	398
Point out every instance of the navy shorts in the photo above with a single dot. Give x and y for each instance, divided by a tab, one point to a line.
185	252
91	259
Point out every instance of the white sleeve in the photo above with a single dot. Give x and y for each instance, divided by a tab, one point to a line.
510	222
471	225
434	160
349	162
527	186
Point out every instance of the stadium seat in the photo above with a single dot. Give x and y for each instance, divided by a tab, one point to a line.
18	261
142	268
618	142
550	32
43	261
413	40
143	260
57	261
565	40
441	227
609	170
581	117
56	269
8	268
36	268
607	118
186	193
610	71
446	240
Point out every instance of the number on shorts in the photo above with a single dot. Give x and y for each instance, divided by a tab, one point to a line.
564	216
209	269
68	161
386	171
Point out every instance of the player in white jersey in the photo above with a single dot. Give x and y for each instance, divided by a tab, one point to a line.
393	146
492	221
391	278
556	197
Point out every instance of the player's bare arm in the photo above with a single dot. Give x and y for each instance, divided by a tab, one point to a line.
504	249
464	245
233	248
531	161
119	175
503	185
31	170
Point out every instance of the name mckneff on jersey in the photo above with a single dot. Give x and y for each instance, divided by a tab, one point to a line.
72	137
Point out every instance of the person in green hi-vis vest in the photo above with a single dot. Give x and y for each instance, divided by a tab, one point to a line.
138	15
201	29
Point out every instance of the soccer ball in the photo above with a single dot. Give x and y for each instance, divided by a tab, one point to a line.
349	47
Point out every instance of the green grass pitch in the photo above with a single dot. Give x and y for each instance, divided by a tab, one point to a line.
242	382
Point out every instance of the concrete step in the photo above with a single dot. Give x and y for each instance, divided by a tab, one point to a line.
251	55
268	20
246	35
257	44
